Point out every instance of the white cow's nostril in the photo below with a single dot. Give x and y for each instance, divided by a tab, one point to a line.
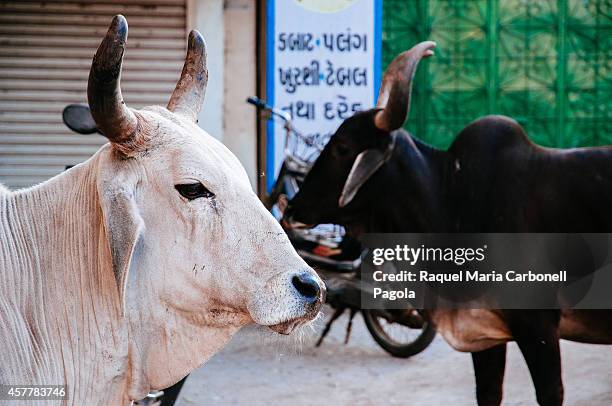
307	286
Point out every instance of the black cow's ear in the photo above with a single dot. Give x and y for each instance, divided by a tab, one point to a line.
366	164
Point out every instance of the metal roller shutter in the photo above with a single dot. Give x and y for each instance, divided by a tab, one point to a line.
46	49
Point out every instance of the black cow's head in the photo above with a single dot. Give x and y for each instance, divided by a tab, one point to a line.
336	188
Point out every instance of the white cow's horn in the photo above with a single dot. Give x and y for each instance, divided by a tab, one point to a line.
114	119
188	95
396	87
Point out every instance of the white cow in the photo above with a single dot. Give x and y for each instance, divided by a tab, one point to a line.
128	271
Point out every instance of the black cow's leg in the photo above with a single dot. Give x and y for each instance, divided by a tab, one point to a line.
537	334
543	358
171	394
489	367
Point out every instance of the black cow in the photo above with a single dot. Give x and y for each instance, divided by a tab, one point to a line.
374	177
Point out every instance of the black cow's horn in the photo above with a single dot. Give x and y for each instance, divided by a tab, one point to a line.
396	87
188	95
114	119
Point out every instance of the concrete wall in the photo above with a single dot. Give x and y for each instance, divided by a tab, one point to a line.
240	129
229	28
206	16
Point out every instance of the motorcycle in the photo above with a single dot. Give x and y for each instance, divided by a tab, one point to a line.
334	254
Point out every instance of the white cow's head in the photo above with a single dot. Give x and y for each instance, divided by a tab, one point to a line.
193	249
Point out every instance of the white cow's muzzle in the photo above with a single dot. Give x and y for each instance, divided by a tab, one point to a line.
288	300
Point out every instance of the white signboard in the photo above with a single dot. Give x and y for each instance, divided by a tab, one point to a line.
323	64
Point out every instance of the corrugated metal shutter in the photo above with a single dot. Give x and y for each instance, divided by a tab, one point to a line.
46	49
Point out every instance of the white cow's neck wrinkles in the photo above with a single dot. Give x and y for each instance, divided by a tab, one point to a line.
61	318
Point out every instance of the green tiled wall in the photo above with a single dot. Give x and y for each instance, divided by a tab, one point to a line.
546	63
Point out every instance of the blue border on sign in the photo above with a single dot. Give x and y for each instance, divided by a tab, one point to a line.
378	15
270	68
270	136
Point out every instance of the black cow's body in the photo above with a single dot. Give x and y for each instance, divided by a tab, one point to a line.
491	179
504	183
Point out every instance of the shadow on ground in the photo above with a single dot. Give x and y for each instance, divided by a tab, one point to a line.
259	368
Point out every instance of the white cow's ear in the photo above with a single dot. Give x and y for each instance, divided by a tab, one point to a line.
124	229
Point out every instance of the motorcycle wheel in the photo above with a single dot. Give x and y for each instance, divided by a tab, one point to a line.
398	340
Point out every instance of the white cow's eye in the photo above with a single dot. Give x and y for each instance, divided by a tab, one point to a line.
193	191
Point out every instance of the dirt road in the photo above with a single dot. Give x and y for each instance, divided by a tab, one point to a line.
258	368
